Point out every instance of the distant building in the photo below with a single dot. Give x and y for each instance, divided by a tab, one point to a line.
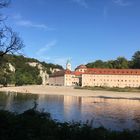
83	76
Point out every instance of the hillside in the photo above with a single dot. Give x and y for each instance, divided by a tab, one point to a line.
20	70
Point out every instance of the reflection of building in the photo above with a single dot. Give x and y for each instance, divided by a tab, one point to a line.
72	107
83	76
118	114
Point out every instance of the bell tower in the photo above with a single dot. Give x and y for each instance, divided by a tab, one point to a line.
68	65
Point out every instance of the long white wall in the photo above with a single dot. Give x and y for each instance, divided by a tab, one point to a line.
111	80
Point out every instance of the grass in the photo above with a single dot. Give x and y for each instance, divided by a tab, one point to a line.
34	125
117	89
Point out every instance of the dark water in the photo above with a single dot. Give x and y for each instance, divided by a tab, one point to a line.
115	114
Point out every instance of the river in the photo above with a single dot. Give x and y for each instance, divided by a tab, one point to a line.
114	114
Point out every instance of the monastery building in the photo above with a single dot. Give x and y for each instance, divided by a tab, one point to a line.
101	77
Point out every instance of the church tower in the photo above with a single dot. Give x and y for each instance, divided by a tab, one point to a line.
68	65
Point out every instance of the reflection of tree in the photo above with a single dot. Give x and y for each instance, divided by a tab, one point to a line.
17	102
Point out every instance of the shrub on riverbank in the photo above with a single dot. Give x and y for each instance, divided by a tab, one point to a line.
117	89
34	125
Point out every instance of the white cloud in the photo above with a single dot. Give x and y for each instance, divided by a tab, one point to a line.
18	19
81	2
43	55
42	51
122	2
27	23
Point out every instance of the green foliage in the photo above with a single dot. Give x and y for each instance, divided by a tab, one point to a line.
24	74
136	60
97	64
119	63
6	76
50	65
34	125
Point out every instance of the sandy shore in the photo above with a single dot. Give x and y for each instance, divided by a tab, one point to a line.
69	91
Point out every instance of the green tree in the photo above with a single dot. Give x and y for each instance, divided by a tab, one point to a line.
110	64
136	60
97	64
121	63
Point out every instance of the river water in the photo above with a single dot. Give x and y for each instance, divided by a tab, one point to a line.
114	114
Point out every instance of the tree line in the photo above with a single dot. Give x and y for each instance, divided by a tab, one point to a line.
119	63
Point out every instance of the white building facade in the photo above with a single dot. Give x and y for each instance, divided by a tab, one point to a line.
83	76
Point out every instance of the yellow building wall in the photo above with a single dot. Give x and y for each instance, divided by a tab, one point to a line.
71	80
111	80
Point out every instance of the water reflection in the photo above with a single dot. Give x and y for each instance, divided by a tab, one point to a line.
116	114
16	102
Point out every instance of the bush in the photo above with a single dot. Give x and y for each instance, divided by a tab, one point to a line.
34	125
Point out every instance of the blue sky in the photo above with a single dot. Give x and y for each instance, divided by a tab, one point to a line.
80	30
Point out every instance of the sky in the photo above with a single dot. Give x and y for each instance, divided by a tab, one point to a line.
80	30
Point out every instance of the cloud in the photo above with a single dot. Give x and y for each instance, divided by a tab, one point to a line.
41	52
122	2
18	19
27	23
43	55
81	2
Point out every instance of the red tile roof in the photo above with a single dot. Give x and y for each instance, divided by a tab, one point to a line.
77	73
81	67
113	71
98	71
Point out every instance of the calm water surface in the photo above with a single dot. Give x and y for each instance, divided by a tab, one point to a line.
115	114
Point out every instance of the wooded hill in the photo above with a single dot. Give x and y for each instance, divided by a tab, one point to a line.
16	70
